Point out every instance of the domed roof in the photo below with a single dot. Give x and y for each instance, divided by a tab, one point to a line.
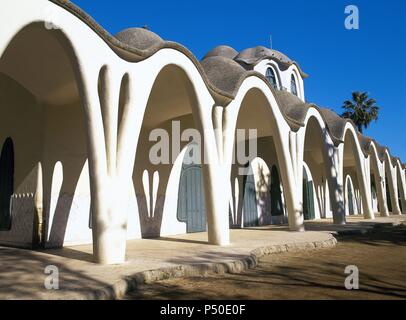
294	109
335	123
396	161
139	38
253	55
381	151
365	142
222	51
224	73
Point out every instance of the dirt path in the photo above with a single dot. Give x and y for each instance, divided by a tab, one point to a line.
380	257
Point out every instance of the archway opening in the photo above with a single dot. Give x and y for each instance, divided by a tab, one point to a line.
401	187
255	138
352	168
160	175
41	111
315	178
374	194
376	187
350	198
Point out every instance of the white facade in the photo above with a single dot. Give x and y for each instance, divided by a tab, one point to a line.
283	77
80	124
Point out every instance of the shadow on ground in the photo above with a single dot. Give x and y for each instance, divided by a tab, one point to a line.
16	282
380	256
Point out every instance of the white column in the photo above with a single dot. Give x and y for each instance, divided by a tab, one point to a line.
401	186
335	181
393	190
109	191
39	231
296	220
379	181
365	186
216	178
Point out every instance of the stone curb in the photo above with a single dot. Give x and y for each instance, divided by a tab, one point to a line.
367	227
119	289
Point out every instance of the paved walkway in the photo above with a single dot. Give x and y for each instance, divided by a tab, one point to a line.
22	271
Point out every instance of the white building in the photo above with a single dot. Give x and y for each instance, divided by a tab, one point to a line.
78	112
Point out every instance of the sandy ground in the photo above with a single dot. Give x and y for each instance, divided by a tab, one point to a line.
380	257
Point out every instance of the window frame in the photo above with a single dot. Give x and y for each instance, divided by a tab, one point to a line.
272	70
294	84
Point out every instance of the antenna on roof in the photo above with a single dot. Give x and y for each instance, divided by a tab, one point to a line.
270	41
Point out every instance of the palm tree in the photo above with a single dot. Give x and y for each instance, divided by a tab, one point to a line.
361	110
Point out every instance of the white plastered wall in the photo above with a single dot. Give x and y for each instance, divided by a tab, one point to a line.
283	76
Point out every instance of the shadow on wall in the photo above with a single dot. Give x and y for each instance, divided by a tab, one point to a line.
41	113
172	100
67	207
151	184
269	198
263	194
319	156
54	138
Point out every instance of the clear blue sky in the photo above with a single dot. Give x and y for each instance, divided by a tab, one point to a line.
312	32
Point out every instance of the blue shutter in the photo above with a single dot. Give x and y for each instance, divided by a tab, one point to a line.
191	206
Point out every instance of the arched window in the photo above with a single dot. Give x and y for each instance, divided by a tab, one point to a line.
270	75
6	183
293	86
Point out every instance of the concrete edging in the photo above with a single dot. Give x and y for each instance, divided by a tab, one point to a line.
119	289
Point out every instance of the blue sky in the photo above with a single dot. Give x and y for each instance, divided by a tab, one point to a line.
311	32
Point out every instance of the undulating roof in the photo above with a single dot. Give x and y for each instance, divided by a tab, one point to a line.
335	124
224	73
381	151
222	51
252	56
365	143
137	44
223	69
139	38
293	108
395	160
